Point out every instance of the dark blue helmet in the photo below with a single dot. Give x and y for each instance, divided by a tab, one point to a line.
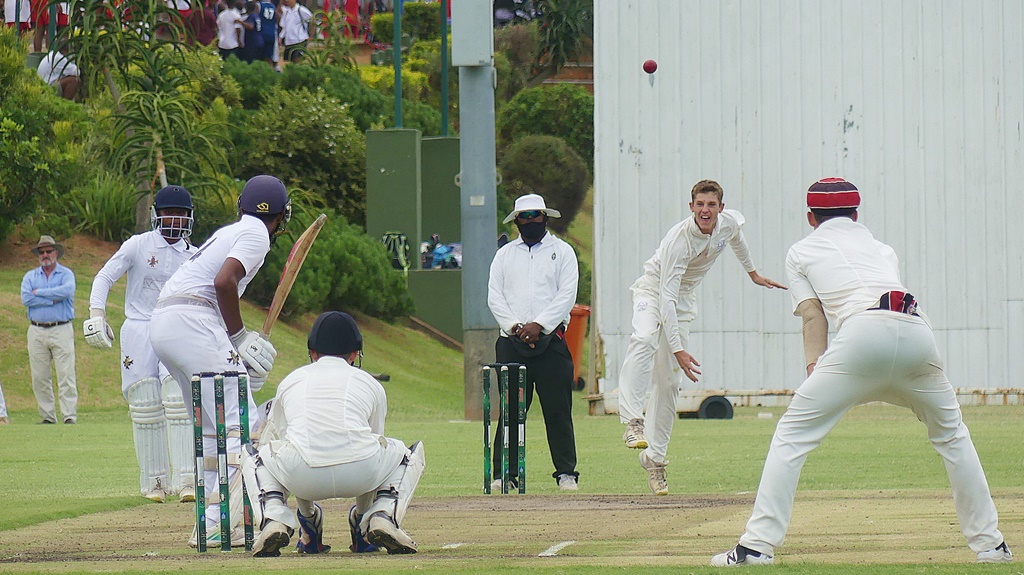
172	227
334	333
266	195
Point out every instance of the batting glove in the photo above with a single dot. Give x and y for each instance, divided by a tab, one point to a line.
255	381
256	352
98	332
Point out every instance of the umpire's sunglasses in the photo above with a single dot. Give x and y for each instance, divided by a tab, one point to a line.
529	215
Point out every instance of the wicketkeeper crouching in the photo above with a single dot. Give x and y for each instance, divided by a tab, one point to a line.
324	438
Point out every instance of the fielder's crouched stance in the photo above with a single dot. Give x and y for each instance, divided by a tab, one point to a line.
324	438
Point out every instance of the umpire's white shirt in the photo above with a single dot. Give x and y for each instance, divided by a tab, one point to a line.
246	240
533	284
331	412
841	264
681	262
149	261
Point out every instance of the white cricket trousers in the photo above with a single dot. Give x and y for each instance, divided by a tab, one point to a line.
57	345
876	356
650	365
289	473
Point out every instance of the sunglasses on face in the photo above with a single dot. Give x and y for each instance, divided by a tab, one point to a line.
529	215
46	252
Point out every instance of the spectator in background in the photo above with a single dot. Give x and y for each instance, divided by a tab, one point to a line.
295	29
229	30
252	47
268	27
57	70
48	292
203	24
11	16
41	22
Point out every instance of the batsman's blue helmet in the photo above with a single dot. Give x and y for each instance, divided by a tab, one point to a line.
335	333
266	195
172	226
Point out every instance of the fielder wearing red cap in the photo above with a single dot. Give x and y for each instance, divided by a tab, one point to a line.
883	350
197	325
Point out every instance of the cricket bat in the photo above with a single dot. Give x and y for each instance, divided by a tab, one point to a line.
291	270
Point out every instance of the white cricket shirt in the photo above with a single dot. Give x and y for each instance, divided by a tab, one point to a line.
227	29
55	66
535	284
331	412
295	24
841	264
681	262
246	240
149	261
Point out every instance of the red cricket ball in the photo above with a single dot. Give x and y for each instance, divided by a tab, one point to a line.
650	66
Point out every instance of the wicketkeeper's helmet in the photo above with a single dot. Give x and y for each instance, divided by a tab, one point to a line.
334	333
266	195
171	226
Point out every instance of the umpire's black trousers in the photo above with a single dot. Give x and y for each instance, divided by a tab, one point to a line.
551	373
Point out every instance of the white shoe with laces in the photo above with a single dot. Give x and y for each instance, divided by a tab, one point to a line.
634	435
567	482
656	479
1000	554
740	556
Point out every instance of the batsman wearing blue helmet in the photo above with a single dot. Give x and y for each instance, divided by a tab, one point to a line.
197	324
160	421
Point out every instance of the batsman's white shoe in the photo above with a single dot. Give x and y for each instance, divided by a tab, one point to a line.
655	474
513	485
567	482
634	434
274	536
740	556
156	494
383	532
1000	554
187	494
213	538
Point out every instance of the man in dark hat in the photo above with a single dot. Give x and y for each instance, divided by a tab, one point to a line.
324	438
48	292
884	350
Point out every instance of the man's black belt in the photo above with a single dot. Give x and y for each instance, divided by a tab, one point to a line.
48	323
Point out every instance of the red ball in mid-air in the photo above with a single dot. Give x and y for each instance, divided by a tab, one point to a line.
650	66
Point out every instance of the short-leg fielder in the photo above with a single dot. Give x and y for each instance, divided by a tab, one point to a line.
884	350
664	304
324	438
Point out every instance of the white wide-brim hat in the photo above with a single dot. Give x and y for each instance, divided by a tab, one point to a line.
528	203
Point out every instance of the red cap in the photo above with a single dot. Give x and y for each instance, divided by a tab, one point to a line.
831	194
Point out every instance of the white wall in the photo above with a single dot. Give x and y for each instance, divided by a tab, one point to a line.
920	103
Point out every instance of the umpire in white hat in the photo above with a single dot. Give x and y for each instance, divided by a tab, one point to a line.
531	291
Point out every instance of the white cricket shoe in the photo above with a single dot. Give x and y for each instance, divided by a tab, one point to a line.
513	485
213	538
1000	554
634	434
655	474
383	532
155	493
273	537
567	482
740	556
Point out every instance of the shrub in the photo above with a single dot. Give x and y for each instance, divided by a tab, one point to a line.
347	270
309	141
209	79
382	79
255	81
367	107
421	19
418	116
515	50
104	207
583	291
382	25
564	110
547	166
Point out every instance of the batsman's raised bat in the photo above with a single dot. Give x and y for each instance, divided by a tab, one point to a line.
291	270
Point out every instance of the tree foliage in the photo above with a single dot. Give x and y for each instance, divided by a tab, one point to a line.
545	165
563	110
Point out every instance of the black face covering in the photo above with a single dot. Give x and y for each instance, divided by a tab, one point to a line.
532	232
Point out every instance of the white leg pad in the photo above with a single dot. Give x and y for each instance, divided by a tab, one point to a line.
179	436
149	427
394	495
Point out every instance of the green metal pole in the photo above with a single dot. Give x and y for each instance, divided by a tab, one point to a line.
52	30
396	50
17	21
444	67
